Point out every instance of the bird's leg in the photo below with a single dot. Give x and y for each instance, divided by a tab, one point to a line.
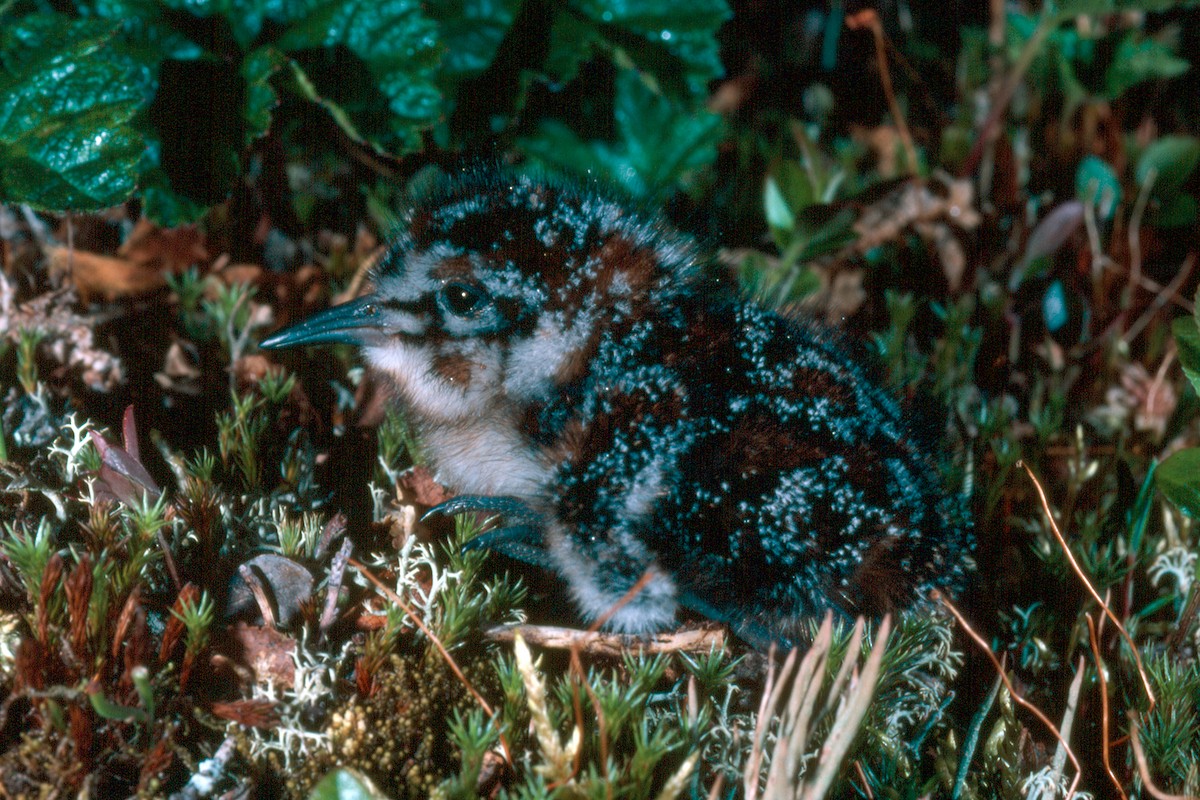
519	539
748	630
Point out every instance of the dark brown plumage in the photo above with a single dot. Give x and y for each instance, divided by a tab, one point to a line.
573	358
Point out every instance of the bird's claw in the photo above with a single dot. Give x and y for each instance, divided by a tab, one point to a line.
520	540
510	508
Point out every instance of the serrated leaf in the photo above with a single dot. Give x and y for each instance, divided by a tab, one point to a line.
66	138
1097	183
1179	480
1140	59
573	40
393	39
261	98
674	42
1172	159
1187	339
686	31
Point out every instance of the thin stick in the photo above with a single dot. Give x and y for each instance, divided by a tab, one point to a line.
869	19
991	126
1161	298
1094	640
611	645
1135	230
1060	756
1037	712
1137	657
863	777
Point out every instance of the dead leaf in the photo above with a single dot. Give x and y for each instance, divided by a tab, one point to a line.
266	651
164	249
98	276
416	486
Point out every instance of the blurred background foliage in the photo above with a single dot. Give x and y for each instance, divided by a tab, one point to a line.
996	201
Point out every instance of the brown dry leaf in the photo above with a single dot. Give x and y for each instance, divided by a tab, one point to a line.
181	370
164	249
295	294
252	274
266	651
250	370
941	199
417	487
107	277
251	713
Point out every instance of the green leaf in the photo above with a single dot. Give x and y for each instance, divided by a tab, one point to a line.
1178	212
573	40
393	39
1140	59
261	98
163	204
245	18
1179	479
1097	183
780	217
674	42
1172	159
143	32
346	784
685	31
1187	339
832	235
1071	8
110	710
471	31
1139	516
658	147
308	90
66	135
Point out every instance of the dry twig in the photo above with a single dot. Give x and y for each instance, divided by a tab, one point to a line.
1137	657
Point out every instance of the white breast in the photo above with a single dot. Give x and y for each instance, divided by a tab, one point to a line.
485	457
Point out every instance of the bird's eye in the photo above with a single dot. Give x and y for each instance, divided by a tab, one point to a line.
464	299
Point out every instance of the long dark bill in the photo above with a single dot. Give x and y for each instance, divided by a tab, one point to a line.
349	323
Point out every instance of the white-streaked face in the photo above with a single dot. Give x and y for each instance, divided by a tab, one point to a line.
494	299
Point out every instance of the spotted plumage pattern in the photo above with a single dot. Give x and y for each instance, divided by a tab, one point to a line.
557	349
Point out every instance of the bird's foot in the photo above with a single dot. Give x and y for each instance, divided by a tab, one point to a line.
510	508
519	540
745	628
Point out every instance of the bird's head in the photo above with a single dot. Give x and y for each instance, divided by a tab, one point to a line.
499	288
